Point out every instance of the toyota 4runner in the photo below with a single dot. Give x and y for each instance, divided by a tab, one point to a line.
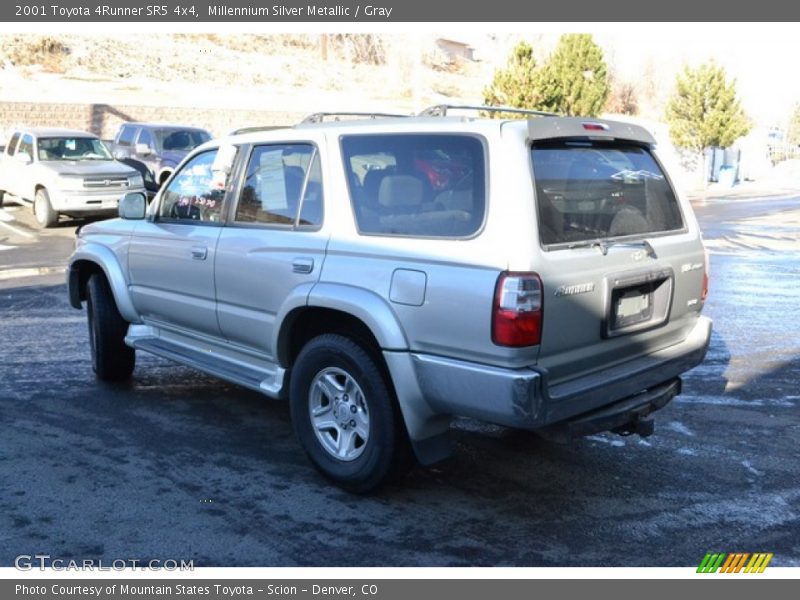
60	171
387	274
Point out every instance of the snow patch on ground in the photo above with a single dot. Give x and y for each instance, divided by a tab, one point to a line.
785	402
605	440
679	427
746	464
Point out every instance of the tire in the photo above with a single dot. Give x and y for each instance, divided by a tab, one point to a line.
43	210
112	360
345	415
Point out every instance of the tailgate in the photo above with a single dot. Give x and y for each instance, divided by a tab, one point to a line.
622	271
617	306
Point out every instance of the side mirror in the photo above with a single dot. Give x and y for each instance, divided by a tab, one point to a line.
24	158
143	149
132	206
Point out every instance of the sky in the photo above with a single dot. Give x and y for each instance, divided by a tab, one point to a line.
762	58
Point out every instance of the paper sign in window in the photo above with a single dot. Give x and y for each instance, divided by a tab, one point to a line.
272	181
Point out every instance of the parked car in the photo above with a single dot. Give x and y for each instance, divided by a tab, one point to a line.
160	148
549	278
61	171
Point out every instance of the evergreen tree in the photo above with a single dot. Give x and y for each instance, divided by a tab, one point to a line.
703	111
516	84
575	80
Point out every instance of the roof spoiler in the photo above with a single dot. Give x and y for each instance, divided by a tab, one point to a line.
586	127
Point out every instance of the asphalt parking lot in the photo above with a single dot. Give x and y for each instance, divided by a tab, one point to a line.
177	465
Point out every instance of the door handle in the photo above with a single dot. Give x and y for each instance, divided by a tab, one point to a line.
199	252
303	265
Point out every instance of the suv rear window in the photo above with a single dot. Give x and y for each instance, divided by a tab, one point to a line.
426	185
595	190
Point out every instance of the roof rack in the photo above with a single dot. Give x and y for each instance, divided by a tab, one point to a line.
336	116
255	128
440	110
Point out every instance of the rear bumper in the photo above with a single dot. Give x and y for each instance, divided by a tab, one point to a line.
630	415
522	398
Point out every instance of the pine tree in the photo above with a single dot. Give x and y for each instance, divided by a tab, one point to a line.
703	111
575	80
516	84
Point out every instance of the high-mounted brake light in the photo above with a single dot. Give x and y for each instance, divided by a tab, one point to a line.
517	311
595	126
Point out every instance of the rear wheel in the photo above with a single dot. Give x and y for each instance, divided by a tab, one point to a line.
345	415
43	210
112	360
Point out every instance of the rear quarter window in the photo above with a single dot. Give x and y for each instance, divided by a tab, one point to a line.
595	190
422	185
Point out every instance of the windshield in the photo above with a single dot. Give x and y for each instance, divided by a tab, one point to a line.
72	148
596	190
182	140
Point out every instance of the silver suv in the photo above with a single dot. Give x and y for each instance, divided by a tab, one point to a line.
60	171
385	275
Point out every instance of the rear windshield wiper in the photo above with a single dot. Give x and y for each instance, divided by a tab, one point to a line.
604	245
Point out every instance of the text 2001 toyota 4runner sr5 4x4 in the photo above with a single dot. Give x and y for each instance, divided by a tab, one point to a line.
387	274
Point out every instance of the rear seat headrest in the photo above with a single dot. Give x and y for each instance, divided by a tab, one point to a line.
400	190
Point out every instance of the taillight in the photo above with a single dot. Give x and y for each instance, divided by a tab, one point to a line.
706	267
517	311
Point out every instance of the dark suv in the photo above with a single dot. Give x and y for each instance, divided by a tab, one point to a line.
160	148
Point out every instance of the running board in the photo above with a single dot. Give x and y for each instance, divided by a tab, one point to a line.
264	380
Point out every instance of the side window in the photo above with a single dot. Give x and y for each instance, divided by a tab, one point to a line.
312	203
126	135
280	179
196	193
12	144
26	145
146	138
424	185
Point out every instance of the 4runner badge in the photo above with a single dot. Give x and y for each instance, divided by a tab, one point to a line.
571	290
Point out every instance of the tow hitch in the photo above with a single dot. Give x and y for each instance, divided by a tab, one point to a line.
642	426
624	417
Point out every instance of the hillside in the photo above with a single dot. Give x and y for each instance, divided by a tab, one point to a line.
264	72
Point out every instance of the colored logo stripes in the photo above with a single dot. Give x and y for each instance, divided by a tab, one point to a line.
735	562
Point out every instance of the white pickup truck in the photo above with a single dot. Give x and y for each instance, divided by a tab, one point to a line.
61	171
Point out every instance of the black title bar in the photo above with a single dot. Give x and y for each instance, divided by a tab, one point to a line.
395	11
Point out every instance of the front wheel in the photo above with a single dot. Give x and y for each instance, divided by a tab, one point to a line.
43	209
345	415
112	360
